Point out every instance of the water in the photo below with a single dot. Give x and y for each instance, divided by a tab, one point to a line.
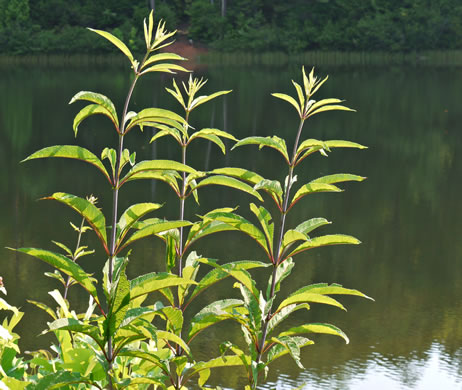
407	212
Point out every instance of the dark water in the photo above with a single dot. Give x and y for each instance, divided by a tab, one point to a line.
407	214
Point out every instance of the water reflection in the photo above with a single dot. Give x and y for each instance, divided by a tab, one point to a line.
407	213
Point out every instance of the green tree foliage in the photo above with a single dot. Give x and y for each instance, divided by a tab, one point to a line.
259	25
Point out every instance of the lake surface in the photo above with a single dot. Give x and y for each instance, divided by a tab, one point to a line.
407	213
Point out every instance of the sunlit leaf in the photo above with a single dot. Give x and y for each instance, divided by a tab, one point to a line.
273	142
203	99
228	182
337	178
151	282
65	265
330	239
116	42
166	68
70	151
240	173
99	99
290	100
315	328
87	210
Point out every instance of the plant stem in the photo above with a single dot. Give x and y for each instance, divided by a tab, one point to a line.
115	202
182	201
66	287
281	236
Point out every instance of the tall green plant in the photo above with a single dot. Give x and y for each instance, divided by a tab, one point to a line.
257	314
128	344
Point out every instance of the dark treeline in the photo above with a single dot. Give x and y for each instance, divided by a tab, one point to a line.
55	26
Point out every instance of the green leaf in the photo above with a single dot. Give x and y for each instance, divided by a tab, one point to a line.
44	307
163	335
222	361
301	98
166	68
165	130
59	379
116	42
312	188
205	228
322	103
213	313
70	151
273	188
282	314
309	297
240	173
217	274
292	236
290	100
66	266
312	224
273	142
228	182
337	178
120	299
240	223
330	239
174	318
84	113
212	138
315	328
153	116
162	57
264	217
333	289
217	132
143	167
78	326
291	345
153	229
103	101
311	143
151	282
344	144
329	108
204	99
87	210
131	216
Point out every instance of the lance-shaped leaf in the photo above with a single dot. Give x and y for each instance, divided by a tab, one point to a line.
290	237
78	326
328	107
204	99
222	361
131	216
166	68
285	345
213	131
162	57
66	266
116	42
240	173
213	313
290	100
242	224
332	289
227	182
104	102
152	357
307	227
60	379
137	381
44	307
86	209
151	116
84	113
164	335
217	274
151	282
70	151
282	272
153	229
141	169
330	239
312	188
174	318
264	217
120	299
337	178
315	328
322	103
273	188
165	130
311	143
343	144
309	297
284	313
273	142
